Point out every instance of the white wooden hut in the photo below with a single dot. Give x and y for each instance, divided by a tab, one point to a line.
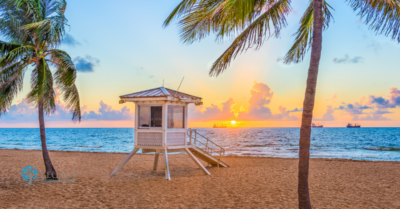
161	116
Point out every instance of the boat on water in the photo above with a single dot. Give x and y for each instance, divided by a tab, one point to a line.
349	125
313	125
219	126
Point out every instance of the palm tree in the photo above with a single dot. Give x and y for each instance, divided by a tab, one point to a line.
252	22
34	28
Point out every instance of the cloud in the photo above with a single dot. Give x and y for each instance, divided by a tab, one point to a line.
392	102
328	116
86	64
261	95
381	102
374	108
380	112
373	117
24	111
354	109
395	96
213	112
69	40
107	113
296	110
348	60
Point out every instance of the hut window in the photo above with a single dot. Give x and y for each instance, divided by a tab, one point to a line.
176	116
150	116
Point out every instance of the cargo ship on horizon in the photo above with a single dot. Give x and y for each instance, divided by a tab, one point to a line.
313	125
349	125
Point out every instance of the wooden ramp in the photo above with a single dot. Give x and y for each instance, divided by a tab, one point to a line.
204	156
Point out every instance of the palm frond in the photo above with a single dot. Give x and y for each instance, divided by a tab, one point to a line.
7	47
254	35
46	31
42	87
11	82
198	23
236	15
223	17
71	98
65	77
17	54
10	25
48	19
382	16
183	7
303	38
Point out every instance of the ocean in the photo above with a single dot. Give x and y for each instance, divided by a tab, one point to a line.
376	144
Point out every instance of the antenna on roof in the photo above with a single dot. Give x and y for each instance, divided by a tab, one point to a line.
181	83
179	86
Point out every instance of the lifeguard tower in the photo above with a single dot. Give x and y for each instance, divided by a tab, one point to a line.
161	126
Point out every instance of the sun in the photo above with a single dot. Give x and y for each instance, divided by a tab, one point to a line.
233	122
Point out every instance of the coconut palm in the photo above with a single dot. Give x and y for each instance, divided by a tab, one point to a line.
34	29
252	22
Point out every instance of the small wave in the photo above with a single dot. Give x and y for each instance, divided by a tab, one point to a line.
383	148
89	146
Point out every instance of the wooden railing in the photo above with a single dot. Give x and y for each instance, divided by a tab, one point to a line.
196	138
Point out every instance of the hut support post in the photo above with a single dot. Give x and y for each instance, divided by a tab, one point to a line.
124	161
197	161
191	132
156	159
167	175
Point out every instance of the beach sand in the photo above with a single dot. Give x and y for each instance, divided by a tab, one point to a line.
248	183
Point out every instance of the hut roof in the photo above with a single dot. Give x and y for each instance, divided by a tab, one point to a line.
160	92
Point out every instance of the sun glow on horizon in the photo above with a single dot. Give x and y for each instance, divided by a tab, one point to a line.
233	122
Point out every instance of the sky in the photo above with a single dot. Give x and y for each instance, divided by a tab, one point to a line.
120	47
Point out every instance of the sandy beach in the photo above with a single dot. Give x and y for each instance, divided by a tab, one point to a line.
248	183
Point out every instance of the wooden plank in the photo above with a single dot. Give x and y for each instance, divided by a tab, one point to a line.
197	161
134	151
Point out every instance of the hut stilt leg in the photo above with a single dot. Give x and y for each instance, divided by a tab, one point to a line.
197	161
124	161
167	175
156	159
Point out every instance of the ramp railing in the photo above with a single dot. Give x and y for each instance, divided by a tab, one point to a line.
208	146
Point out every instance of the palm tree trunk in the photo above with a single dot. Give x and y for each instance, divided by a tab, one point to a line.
308	107
50	171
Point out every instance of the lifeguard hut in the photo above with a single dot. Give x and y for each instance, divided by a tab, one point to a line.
161	126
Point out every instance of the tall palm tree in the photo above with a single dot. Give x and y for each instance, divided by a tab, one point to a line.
34	29
252	22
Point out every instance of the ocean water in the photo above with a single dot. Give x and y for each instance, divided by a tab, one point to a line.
378	144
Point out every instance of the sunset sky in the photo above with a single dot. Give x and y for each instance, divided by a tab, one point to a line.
120	47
